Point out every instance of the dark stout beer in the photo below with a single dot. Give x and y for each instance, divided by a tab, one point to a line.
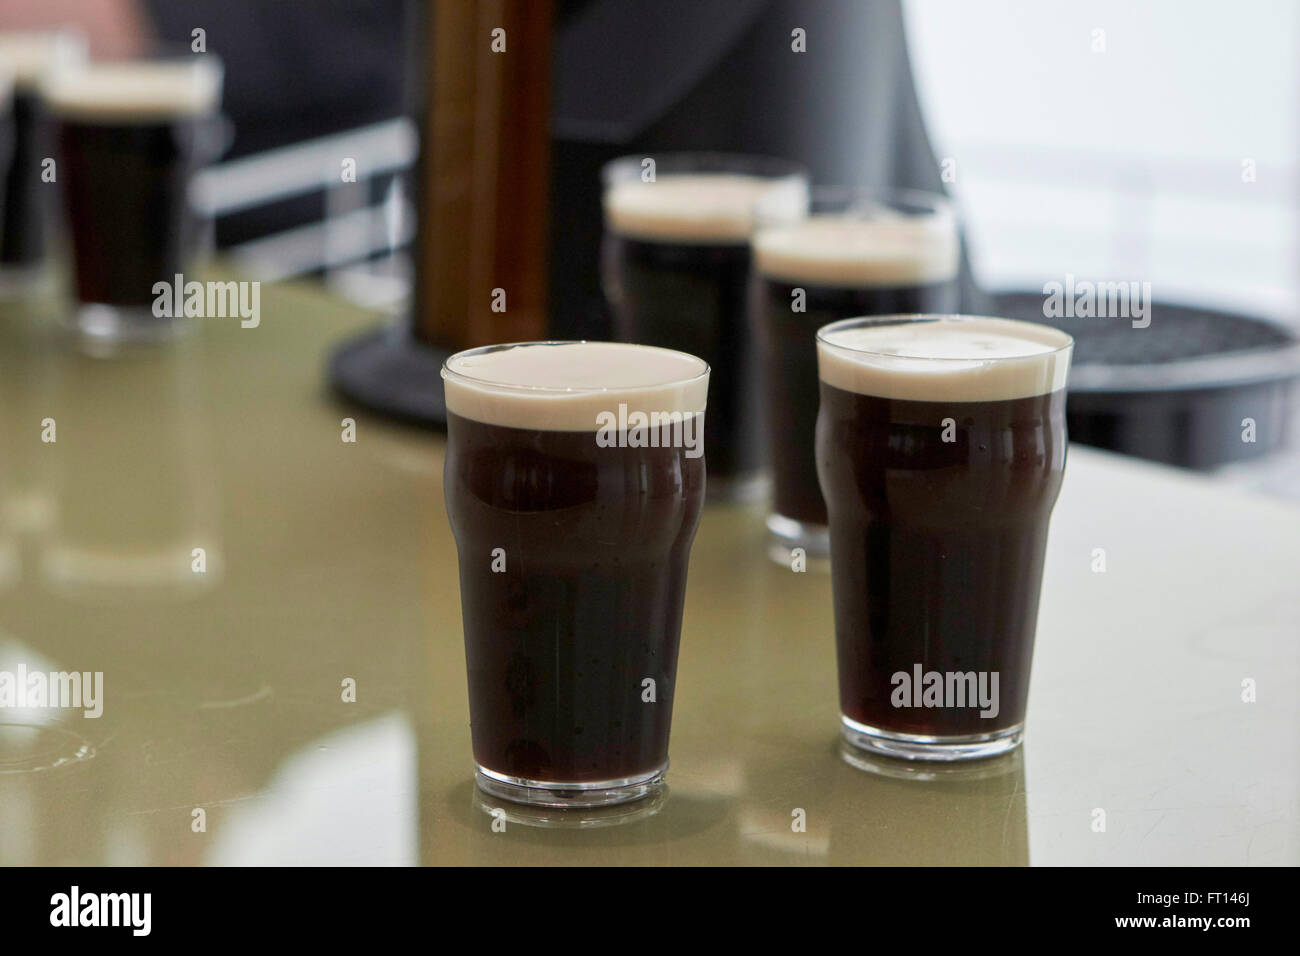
131	136
676	264
940	446
31	59
573	536
871	259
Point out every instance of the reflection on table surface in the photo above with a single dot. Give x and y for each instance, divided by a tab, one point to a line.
324	562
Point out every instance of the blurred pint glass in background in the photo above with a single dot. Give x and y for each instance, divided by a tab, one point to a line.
860	252
131	135
675	268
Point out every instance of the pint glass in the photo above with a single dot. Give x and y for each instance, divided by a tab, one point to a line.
940	448
574	481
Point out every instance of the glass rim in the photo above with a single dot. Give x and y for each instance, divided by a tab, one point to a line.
51	31
676	162
203	68
159	54
447	372
159	51
904	318
69	49
927	201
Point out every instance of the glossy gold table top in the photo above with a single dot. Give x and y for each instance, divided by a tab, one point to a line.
329	561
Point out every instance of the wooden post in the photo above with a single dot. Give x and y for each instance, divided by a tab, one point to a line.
484	175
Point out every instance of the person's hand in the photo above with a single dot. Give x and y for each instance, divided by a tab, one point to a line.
114	27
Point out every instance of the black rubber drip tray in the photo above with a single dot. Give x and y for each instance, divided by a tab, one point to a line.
1177	333
1179	390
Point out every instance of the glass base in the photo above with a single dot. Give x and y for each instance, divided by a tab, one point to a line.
98	324
960	771
786	534
739	489
21	281
567	817
546	793
101	576
891	743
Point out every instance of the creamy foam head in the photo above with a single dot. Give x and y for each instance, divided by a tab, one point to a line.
700	207
136	90
30	56
950	359
565	386
849	250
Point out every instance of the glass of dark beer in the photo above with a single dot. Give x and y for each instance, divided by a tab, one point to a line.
574	481
940	447
131	136
675	267
31	59
860	252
